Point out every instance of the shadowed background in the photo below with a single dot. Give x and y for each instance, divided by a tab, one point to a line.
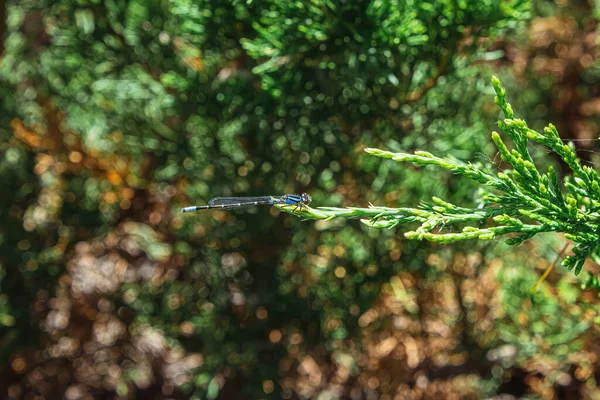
115	114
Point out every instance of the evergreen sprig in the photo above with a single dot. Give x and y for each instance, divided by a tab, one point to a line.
521	200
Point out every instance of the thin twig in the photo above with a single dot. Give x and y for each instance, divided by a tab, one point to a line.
547	271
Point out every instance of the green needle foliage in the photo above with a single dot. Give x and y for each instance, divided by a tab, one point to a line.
521	201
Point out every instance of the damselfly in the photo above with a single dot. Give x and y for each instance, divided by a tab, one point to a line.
241	202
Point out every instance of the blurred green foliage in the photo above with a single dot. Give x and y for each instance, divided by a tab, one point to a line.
117	113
